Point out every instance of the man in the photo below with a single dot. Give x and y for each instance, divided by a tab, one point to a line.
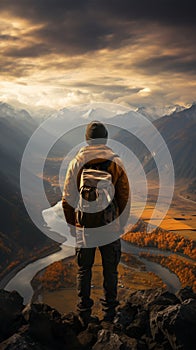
96	153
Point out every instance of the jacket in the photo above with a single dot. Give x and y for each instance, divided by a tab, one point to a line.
93	154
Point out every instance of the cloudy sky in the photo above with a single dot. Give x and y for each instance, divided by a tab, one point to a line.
58	53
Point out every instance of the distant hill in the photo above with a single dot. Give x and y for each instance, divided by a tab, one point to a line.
16	127
19	238
179	133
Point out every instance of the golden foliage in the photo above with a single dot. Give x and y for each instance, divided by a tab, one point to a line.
57	275
163	240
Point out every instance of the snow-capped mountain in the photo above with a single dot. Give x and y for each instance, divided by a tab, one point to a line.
41	113
97	110
73	117
155	112
109	112
8	111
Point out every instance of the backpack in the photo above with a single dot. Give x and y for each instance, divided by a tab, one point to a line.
97	205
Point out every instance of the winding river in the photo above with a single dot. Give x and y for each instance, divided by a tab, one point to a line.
55	221
169	278
22	280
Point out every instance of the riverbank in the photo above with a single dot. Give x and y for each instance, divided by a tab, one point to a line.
139	275
6	277
56	285
21	282
185	270
161	239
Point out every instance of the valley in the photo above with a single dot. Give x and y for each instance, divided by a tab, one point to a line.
176	236
21	243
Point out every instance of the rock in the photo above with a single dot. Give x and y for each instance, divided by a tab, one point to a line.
107	340
11	305
139	326
86	339
160	303
128	343
89	336
178	324
19	342
142	298
163	300
153	345
52	331
185	293
125	315
73	321
148	320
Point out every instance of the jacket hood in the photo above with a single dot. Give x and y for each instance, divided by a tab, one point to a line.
95	154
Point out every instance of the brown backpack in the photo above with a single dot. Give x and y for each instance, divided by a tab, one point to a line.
97	205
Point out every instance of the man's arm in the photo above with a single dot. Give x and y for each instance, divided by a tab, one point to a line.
70	196
123	197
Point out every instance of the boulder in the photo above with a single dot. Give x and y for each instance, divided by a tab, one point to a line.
20	342
177	323
88	337
139	326
125	315
48	327
11	305
107	340
129	343
185	293
148	320
142	298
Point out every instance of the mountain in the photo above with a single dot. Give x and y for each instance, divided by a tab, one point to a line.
179	133
177	129
19	238
15	133
153	112
98	110
8	111
40	113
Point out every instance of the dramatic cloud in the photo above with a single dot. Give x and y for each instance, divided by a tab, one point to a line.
169	63
69	47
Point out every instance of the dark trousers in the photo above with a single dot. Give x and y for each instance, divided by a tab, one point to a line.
110	254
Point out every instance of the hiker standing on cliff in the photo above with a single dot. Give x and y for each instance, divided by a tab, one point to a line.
97	162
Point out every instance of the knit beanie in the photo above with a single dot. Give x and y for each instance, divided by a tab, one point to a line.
96	130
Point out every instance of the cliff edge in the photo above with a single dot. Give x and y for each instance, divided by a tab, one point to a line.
149	319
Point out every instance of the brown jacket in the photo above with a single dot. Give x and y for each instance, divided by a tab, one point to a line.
92	154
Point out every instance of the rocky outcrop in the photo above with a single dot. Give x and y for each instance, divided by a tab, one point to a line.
150	319
11	306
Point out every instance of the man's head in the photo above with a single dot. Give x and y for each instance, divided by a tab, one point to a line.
96	133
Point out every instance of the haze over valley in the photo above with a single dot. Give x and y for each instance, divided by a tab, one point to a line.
21	240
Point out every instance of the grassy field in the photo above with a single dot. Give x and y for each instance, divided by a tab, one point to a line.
181	216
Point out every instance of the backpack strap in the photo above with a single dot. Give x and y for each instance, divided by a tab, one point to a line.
98	166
